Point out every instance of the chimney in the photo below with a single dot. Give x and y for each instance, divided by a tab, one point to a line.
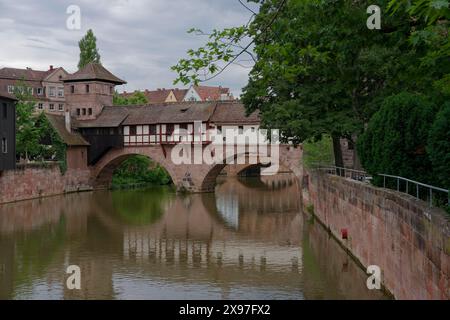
51	68
67	121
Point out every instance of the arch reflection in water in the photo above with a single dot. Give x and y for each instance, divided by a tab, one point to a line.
155	244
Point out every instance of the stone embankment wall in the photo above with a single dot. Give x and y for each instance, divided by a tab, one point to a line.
40	180
409	241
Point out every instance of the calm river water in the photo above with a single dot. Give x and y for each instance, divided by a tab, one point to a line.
249	240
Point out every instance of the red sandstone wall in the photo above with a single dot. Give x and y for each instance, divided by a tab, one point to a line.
34	181
407	240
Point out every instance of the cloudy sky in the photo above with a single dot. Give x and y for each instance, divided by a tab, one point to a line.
138	40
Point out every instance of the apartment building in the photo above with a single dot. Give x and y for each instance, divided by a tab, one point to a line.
46	87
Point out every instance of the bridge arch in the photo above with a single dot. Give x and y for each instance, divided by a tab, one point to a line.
186	177
290	158
102	172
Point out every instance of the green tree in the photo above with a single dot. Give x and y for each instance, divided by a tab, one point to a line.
27	134
138	170
439	146
88	50
396	138
51	146
318	69
137	98
429	31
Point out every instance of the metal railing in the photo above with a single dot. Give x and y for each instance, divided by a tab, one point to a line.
417	188
416	185
347	173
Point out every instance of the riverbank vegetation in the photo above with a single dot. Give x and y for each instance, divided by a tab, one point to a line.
139	171
318	152
36	139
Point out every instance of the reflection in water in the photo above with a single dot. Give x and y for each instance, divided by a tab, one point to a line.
249	240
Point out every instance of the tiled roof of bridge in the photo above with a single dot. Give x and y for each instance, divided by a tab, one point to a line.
94	71
170	113
69	138
217	112
233	113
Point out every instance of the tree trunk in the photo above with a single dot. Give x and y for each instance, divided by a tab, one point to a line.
356	162
337	149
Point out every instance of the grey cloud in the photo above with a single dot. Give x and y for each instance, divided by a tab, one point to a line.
138	39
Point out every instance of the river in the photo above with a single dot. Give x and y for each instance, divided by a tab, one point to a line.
248	240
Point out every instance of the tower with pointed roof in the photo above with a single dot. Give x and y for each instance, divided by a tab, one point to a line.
88	90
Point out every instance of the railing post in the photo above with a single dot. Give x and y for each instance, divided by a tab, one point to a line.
398	184
384	181
407	189
417	189
431	197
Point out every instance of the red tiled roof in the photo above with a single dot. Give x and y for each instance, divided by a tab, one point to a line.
94	71
180	94
157	96
207	93
27	74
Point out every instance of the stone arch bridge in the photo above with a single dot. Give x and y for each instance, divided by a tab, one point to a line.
189	177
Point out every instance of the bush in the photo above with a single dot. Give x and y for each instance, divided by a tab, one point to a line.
396	138
318	152
139	170
439	146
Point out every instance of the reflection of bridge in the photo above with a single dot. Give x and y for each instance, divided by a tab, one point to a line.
189	244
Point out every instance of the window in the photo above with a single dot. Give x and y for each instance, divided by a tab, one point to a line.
90	111
52	91
78	111
152	129
132	130
87	88
83	111
4	111
219	129
72	89
169	129
4	145
39	91
10	89
61	107
60	92
51	106
40	106
241	129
